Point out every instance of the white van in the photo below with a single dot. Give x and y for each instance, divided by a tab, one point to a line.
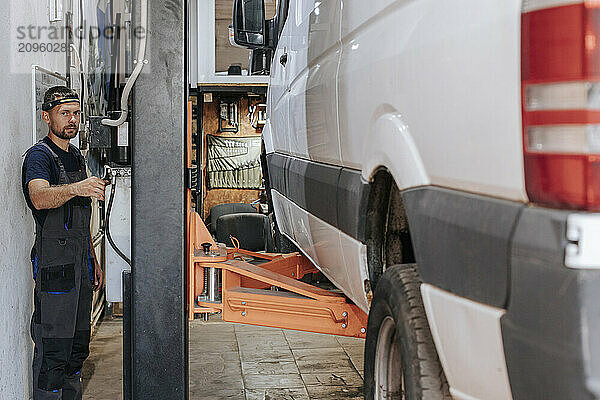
439	161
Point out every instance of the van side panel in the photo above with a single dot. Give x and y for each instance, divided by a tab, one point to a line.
451	70
334	244
278	104
313	57
392	66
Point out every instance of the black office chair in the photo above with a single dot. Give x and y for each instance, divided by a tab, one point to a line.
225	209
253	231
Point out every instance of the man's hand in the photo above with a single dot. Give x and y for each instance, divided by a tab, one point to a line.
98	276
90	187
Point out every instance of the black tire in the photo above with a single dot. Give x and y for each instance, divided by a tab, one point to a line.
400	358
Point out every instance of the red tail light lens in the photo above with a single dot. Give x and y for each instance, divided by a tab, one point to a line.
561	103
563	180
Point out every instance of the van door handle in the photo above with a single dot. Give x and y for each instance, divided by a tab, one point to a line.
283	59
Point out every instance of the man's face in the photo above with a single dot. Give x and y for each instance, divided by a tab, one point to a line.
63	120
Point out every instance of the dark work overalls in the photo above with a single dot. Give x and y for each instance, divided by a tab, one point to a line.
63	274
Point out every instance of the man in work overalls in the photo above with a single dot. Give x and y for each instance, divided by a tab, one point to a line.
65	270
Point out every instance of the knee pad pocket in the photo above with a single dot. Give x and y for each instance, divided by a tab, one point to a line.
80	351
55	357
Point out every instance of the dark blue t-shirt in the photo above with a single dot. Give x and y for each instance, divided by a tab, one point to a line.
39	164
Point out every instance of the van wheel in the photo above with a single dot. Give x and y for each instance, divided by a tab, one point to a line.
400	358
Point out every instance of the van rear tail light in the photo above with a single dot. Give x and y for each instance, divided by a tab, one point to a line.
560	76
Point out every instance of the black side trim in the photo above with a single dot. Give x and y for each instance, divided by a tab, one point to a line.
295	176
312	186
352	198
550	307
320	191
277	172
333	194
462	241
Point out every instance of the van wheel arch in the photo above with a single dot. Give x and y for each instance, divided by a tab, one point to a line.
387	233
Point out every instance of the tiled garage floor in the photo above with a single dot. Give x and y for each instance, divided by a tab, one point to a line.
232	361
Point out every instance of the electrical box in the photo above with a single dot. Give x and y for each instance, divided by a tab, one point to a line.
100	136
120	230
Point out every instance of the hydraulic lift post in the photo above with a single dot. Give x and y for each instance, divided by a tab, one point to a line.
159	326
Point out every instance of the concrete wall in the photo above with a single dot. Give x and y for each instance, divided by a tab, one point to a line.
16	222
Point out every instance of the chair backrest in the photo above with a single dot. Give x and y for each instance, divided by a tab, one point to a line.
224	209
253	230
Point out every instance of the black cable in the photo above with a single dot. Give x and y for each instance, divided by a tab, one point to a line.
108	210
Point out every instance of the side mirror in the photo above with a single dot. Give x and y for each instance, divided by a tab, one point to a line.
249	23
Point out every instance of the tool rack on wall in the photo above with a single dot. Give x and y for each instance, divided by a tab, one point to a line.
207	112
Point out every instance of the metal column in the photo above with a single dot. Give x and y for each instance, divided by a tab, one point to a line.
158	303
127	357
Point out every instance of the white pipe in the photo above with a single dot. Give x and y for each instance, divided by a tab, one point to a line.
79	66
136	71
82	82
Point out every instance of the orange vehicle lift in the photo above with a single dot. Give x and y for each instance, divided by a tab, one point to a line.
246	295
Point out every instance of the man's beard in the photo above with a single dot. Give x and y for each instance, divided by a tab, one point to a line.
63	134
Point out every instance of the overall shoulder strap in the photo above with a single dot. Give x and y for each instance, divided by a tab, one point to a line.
61	167
45	145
